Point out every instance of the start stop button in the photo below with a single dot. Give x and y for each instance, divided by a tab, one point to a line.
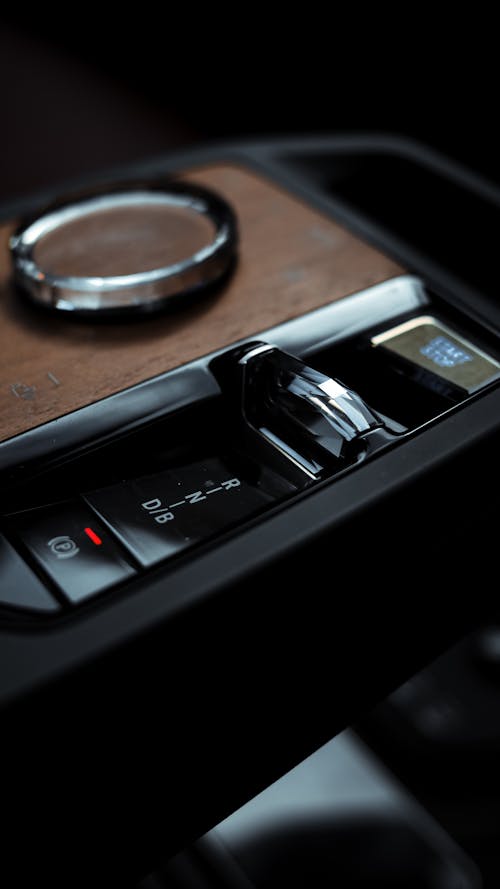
436	349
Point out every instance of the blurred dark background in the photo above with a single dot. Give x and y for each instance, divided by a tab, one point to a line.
85	92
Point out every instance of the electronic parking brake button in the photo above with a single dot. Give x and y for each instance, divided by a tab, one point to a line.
157	516
73	548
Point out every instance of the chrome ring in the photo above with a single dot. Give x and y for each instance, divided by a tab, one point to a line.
143	291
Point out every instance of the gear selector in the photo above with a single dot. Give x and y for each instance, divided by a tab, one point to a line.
312	419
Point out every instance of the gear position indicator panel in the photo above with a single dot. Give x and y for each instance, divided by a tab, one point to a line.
85	548
157	516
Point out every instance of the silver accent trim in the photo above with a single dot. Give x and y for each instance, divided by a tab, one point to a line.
345	408
142	289
349	316
259	350
345	414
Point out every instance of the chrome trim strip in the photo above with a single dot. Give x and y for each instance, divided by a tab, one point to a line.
146	290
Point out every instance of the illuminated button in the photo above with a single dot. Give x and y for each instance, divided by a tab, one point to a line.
73	547
435	348
19	586
157	516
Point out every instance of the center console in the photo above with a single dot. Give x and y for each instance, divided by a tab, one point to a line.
229	526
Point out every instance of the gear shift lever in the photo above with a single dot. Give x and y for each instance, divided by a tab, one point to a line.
309	417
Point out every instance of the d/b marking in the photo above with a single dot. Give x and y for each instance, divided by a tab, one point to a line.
162	513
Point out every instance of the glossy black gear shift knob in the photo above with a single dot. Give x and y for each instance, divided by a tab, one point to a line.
307	415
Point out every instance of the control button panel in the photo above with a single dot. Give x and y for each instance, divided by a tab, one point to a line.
19	586
73	548
277	427
436	349
157	516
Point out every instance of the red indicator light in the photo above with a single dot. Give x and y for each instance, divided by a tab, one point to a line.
93	536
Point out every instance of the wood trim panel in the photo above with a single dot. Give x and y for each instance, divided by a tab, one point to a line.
292	259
